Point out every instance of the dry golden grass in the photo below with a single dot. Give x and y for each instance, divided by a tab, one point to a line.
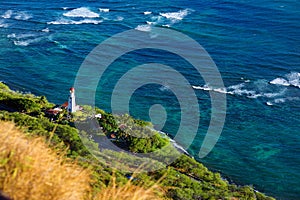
129	192
29	169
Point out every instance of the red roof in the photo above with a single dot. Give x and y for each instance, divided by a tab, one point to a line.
65	104
52	111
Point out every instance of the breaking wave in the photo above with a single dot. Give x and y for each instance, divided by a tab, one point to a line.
291	79
7	14
81	12
46	30
261	89
22	16
176	15
20	36
282	100
104	9
145	28
167	19
67	21
27	42
18	15
3	25
147	12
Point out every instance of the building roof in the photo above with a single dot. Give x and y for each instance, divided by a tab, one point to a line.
65	104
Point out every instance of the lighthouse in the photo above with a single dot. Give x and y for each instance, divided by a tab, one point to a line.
71	103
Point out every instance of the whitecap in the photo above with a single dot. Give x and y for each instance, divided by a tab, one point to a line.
21	43
238	86
7	14
208	88
205	88
104	9
27	42
150	23
272	95
66	22
145	28
81	12
20	36
294	79
269	103
164	88
220	90
253	95
147	13
3	25
280	81
22	16
46	30
176	15
280	100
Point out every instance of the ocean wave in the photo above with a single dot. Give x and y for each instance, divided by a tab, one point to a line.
81	12
46	30
240	90
176	15
145	28
291	79
3	24
280	81
271	92
19	15
27	42
67	21
7	14
282	100
147	13
22	16
167	19
119	18
21	36
104	9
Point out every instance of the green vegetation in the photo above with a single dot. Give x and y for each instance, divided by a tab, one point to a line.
183	179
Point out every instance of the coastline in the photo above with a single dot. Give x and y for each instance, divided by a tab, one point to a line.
186	172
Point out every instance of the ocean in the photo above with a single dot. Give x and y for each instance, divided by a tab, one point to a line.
255	45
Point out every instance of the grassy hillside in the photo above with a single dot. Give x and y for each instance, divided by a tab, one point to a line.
183	179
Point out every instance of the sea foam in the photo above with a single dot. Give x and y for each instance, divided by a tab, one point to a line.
67	21
176	15
3	24
27	42
7	14
104	9
22	16
81	12
145	28
291	79
147	12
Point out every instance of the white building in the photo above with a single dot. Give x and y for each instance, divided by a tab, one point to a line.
72	103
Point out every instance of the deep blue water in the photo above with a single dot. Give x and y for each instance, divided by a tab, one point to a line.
42	46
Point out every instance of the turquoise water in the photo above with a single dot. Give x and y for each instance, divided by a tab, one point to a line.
252	42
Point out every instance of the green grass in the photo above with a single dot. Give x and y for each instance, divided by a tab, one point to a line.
183	179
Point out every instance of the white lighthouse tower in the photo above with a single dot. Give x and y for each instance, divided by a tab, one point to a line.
71	103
